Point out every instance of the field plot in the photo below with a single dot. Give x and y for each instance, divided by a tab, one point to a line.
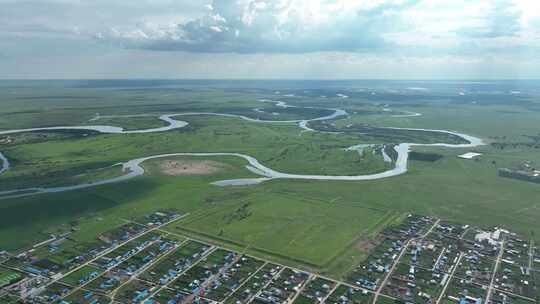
370	272
477	268
308	231
175	263
9	299
59	256
86	297
134	292
348	295
452	230
316	291
506	298
8	277
247	291
82	276
123	232
108	282
128	250
463	289
515	280
53	293
147	255
383	300
283	287
517	251
232	278
414	284
196	278
536	282
435	252
169	296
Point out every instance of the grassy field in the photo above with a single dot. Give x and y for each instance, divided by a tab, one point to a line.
317	224
129	123
485	121
337	211
280	147
453	188
306	230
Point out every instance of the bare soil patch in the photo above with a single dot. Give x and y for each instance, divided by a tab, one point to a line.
365	245
191	167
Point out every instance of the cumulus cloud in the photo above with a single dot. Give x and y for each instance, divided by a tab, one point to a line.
285	26
280	26
270	38
303	26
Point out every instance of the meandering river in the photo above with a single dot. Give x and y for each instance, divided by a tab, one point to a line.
133	168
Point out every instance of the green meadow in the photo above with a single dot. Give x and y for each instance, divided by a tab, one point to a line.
319	225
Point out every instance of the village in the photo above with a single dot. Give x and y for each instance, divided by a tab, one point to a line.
422	260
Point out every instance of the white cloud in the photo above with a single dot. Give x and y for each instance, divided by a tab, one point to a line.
293	26
288	26
271	38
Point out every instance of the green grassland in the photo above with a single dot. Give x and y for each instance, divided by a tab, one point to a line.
129	123
472	193
46	106
486	121
281	147
316	224
301	229
24	107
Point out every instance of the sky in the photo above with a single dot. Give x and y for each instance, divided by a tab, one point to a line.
270	39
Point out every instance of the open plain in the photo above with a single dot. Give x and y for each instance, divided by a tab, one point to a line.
301	176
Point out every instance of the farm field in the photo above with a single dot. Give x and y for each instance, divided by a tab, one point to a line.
304	230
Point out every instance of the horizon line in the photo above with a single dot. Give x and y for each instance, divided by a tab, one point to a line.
270	79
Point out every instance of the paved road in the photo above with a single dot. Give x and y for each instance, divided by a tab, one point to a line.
299	292
494	275
531	254
456	266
